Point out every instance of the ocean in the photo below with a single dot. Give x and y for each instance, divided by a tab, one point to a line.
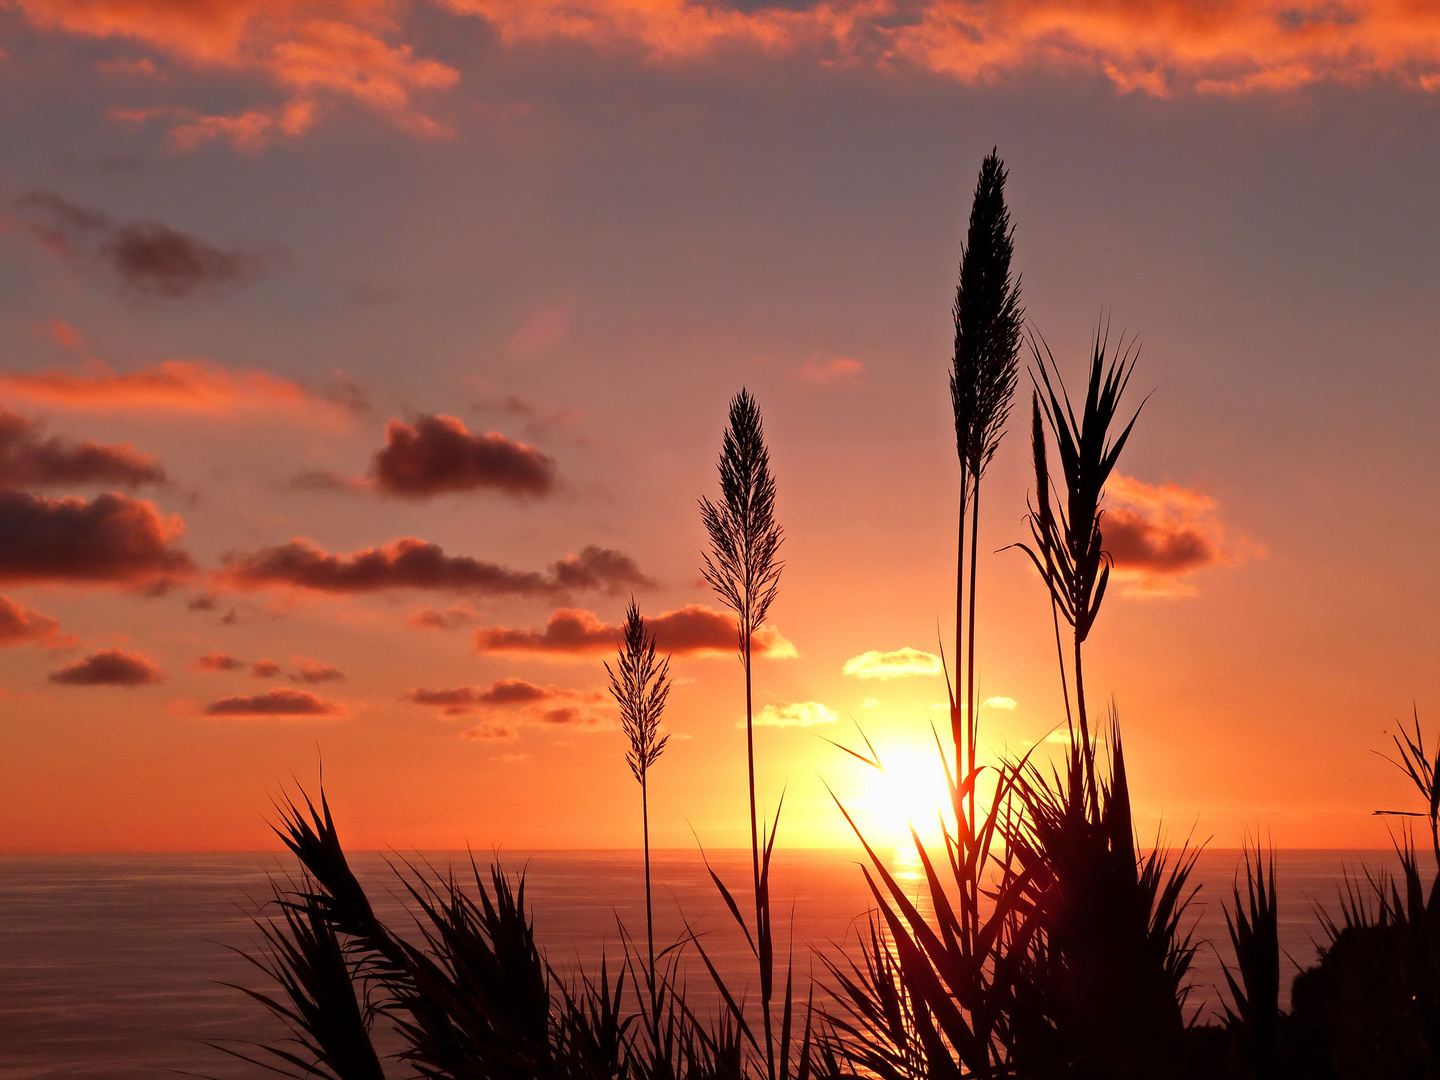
115	966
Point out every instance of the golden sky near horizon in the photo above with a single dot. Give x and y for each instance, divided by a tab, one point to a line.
362	359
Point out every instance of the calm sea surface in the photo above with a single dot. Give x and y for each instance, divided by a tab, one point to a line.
114	966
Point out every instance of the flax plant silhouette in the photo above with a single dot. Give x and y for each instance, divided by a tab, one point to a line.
1069	546
988	321
1254	927
640	685
743	567
1043	525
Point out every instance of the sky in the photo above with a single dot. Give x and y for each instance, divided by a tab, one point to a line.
360	360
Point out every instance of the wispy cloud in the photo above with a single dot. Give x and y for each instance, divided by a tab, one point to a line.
541	333
197	387
217	661
536	421
896	664
794	714
450	618
513	702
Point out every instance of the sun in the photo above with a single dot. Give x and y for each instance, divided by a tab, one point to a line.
910	791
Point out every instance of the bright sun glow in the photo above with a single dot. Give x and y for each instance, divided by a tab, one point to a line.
911	791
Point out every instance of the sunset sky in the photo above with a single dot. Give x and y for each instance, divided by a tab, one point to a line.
361	359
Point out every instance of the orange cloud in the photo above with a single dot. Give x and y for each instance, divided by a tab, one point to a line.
1161	48
1159	534
200	387
318	52
572	633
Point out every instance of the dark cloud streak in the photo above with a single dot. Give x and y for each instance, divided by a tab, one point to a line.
279	702
411	563
27	459
148	258
691	630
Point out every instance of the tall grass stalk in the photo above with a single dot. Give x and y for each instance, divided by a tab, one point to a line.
743	567
988	320
640	685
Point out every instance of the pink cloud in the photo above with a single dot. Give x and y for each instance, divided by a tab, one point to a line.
542	333
835	370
